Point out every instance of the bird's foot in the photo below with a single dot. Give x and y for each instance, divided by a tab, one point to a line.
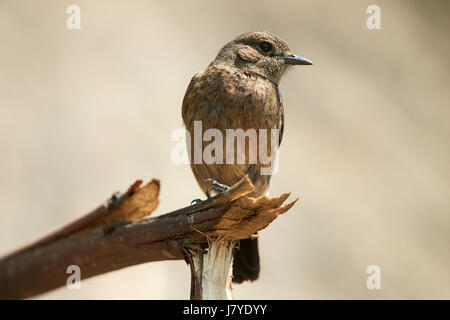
195	201
216	186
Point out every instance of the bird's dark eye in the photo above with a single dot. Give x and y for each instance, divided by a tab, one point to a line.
265	47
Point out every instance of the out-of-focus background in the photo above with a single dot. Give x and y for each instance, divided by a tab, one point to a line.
366	146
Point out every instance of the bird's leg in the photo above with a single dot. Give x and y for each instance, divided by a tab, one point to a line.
216	186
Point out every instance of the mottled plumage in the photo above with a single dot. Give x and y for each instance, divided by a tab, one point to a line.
239	90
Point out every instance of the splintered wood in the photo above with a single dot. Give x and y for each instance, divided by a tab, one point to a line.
136	203
241	218
116	236
245	215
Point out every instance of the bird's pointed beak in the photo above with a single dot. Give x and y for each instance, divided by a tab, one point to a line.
295	59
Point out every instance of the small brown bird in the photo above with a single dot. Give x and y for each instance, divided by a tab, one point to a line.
239	90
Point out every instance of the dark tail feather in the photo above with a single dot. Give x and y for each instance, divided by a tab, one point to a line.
246	261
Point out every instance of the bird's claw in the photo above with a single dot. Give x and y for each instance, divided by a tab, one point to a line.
195	201
216	186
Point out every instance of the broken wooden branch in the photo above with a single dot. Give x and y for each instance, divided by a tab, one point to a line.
117	235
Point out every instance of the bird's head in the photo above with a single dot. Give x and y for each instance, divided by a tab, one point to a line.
261	53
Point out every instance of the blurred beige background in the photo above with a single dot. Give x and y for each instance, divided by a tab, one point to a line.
366	147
